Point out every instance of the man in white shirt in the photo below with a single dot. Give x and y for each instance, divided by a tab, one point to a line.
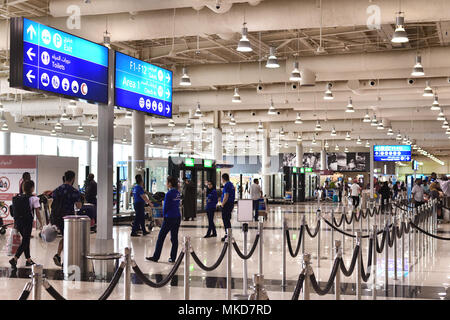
255	194
417	193
355	191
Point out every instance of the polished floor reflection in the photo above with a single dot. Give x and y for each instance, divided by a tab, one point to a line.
425	277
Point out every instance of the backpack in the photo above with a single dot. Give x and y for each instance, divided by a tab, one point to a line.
22	209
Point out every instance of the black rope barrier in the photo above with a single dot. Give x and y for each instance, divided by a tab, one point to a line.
26	291
164	281
252	250
330	282
391	237
288	240
316	231
345	233
351	218
348	272
340	223
298	286
365	277
52	291
380	247
215	265
114	282
429	234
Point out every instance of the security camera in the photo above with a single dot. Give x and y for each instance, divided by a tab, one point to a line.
294	86
330	85
217	4
372	83
253	113
411	81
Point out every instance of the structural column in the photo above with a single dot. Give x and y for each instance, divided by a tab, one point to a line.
217	146
104	240
6	143
371	172
89	154
138	144
299	154
323	159
265	162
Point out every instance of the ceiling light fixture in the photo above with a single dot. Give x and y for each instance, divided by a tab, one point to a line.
400	35
295	74
151	130
198	112
260	127
236	96
367	144
348	137
298	120
272	111
359	141
272	61
171	123
189	125
390	132
185	79
328	94
53	133
399	136
336	148
350	106
333	132
418	68
80	128
244	43
367	117
58	126
428	92
318	126
441	116
92	137
435	106
5	127
374	122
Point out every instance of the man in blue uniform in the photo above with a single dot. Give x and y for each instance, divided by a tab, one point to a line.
171	222
140	199
228	194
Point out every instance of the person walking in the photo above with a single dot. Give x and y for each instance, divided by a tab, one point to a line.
255	194
189	200
140	199
385	193
211	204
65	199
24	205
396	189
26	176
340	190
90	189
227	201
355	190
171	222
418	193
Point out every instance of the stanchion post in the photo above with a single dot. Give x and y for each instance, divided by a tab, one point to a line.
386	259
359	266
244	261
229	263
304	232
261	247
36	274
318	238
308	273
332	231
127	277
337	282
283	279
394	225
187	255
374	262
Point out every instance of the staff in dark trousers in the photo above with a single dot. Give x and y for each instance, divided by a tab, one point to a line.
171	222
228	196
211	204
140	199
189	200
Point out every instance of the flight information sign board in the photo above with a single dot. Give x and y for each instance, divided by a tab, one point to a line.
392	153
47	59
143	86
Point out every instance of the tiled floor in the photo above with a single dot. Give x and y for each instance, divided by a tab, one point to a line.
428	279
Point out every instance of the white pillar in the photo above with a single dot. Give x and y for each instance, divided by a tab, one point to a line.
323	159
299	154
217	144
371	172
89	154
138	143
6	143
265	162
104	240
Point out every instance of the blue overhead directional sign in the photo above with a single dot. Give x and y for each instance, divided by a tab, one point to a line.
392	153
143	86
61	63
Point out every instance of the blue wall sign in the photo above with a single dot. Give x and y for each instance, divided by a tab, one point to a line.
392	153
142	86
62	63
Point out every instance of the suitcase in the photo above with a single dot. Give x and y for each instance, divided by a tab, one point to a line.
335	198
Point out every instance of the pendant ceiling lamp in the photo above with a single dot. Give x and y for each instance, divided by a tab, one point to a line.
298	120
185	79
418	68
400	35
295	74
272	61
244	43
236	96
428	92
350	106
328	94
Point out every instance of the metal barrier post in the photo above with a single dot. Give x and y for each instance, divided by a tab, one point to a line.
374	262
244	261
332	231
36	275
343	235
403	247
229	263
318	238
386	259
261	247
127	276
394	225
283	279
409	242
308	272
337	282
304	232
187	255
359	266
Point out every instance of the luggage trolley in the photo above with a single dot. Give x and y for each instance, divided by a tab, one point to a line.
155	215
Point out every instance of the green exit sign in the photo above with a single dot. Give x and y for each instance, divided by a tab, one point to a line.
302	170
294	170
207	163
189	162
308	170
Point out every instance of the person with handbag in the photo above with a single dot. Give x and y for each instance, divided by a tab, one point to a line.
24	205
211	204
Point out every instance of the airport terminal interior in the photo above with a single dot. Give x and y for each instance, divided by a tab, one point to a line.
224	150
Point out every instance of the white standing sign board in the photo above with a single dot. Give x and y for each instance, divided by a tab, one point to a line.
245	211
